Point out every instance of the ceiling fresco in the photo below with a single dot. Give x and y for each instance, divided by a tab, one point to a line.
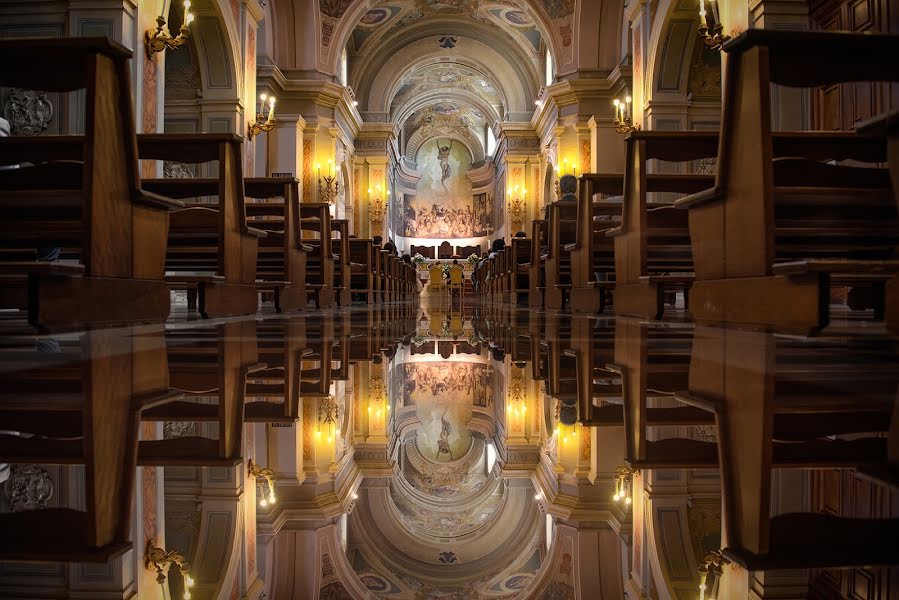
391	15
449	78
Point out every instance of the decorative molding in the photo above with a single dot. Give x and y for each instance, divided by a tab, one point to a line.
29	112
29	488
176	170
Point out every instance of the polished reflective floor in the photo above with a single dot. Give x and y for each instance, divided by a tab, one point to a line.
447	452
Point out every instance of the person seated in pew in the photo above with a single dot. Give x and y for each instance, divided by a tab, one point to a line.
521	234
376	241
390	247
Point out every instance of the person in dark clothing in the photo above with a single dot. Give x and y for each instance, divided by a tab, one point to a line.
377	240
390	247
521	234
498	244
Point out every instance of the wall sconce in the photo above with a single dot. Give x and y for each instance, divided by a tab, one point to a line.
158	40
159	559
624	484
328	187
378	404
377	208
710	572
263	475
714	36
517	205
516	405
262	122
624	116
327	416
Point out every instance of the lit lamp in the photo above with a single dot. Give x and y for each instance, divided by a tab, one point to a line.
327	416
263	122
713	36
710	572
161	560
624	116
157	40
624	485
377	208
263	476
327	185
377	404
517	205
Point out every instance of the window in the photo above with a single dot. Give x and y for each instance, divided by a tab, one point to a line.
342	73
550	71
491	141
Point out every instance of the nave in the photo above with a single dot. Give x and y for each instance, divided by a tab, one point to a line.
406	452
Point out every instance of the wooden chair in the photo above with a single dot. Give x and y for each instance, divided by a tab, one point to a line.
763	390
212	250
81	404
272	207
652	245
456	282
781	225
435	278
83	194
315	220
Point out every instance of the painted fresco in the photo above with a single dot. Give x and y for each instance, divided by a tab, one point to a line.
443	206
444	394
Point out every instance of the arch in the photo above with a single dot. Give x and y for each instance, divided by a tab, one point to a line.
212	74
670	48
354	13
426	133
378	81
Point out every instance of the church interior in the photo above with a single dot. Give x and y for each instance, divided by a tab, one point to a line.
449	299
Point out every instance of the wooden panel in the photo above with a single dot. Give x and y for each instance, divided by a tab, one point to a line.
852	103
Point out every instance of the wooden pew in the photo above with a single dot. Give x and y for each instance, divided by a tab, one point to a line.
813	392
362	269
593	252
315	218
561	232
520	251
212	249
273	394
208	363
80	401
781	225
340	249
753	381
272	207
536	266
82	194
652	246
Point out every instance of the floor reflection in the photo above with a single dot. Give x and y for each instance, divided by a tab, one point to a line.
444	453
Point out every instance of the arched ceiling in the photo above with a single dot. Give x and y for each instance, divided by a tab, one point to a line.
483	58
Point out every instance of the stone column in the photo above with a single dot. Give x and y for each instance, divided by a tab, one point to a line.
283	148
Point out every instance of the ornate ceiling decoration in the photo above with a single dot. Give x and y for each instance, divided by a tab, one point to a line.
389	16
